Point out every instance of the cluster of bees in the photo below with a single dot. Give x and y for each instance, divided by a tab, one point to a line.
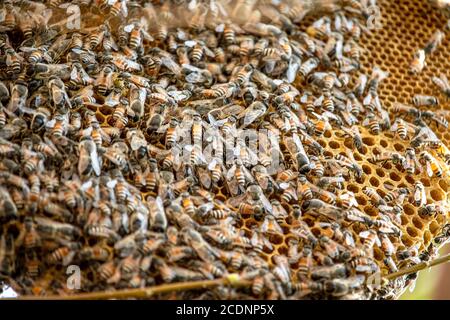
91	175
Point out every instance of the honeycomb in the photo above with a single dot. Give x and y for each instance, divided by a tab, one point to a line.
407	25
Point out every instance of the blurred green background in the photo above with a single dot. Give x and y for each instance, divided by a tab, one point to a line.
432	283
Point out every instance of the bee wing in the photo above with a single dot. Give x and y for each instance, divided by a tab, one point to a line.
248	176
220	28
349	241
339	49
84	160
57	95
232	186
318	102
429	169
254	240
128	28
204	177
367	99
304	98
68	258
212	164
364	234
124	8
237	200
284	185
423	196
262	180
137	142
50	124
163	128
394	127
208	52
85	186
74	74
230	173
266	204
377	241
27	49
363	268
386	229
159	204
95	160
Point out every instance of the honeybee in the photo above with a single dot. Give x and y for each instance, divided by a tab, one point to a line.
332	248
19	94
104	81
442	83
432	165
413	251
89	159
385	225
342	287
203	249
13	61
97	253
270	226
7	252
298	153
338	270
433	208
37	54
29	237
436	39
411	162
420	100
418	63
319	207
374	196
443	235
282	271
395	157
137	102
308	66
401	127
347	199
63	255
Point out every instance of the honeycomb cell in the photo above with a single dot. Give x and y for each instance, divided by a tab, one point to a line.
282	250
334	145
410	179
361	200
412	231
374	181
418	223
380	172
434	227
395	177
443	185
407	241
437	194
404	220
371	211
367	169
427	237
409	209
399	147
369	141
426	182
387	166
